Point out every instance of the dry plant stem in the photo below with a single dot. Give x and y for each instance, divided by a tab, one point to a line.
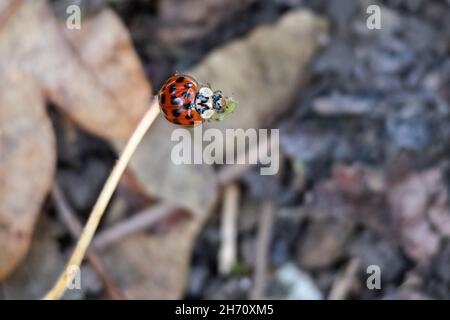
343	284
69	218
227	252
97	212
262	249
138	222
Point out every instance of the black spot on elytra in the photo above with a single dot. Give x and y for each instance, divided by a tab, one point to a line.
176	113
192	123
172	89
186	95
188	85
176	101
188	116
162	98
180	79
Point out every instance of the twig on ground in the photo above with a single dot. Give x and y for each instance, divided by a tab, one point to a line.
99	208
343	283
227	252
138	222
69	218
262	250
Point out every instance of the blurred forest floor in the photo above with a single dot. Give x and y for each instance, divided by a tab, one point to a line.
364	176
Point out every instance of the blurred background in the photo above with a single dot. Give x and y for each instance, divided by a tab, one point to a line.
358	210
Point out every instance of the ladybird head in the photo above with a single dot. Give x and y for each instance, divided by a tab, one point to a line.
222	105
213	105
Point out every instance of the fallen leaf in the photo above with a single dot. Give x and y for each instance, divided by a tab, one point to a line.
154	266
42	265
190	186
264	71
105	48
27	164
93	73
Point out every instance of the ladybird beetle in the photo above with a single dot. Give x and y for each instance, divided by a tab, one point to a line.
184	102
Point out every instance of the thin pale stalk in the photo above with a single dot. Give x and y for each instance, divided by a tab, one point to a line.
99	208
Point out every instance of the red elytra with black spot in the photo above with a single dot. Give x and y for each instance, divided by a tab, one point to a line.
176	101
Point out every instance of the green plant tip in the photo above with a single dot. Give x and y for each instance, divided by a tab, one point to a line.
229	108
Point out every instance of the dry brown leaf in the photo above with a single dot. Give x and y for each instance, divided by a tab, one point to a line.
40	267
265	70
105	48
27	162
92	73
156	266
193	187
